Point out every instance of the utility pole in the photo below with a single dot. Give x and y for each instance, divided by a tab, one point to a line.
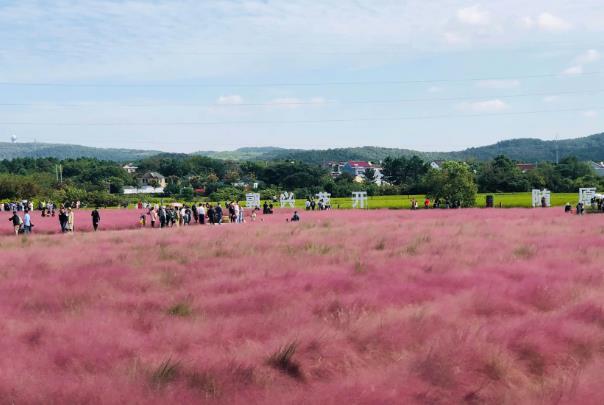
59	173
35	155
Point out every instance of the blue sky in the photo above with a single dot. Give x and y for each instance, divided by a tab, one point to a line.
216	75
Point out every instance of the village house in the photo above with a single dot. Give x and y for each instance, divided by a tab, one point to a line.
152	179
130	168
358	168
148	183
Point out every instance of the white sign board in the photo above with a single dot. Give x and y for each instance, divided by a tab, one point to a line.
359	199
325	197
287	199
540	196
586	194
252	200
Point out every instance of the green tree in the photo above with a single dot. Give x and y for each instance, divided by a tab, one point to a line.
454	182
186	193
369	175
405	172
172	188
501	175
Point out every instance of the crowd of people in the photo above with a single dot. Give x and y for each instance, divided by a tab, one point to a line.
155	216
597	205
320	204
183	215
438	203
24	225
175	215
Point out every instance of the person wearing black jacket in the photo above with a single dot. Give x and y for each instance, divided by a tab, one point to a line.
162	217
96	218
211	214
218	215
63	220
16	219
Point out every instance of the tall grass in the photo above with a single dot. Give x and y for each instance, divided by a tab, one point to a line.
431	306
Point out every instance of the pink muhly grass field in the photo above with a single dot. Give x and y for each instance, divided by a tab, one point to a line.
451	306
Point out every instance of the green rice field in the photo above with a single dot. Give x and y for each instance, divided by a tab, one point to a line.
507	200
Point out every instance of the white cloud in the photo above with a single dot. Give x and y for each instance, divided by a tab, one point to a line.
590	114
486	106
589	56
550	22
435	89
551	99
230	100
473	15
586	57
573	71
498	84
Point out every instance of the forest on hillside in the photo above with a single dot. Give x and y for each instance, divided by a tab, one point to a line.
522	150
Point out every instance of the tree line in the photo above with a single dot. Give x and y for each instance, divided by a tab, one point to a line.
98	182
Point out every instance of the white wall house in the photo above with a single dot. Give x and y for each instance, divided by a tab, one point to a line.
130	168
143	190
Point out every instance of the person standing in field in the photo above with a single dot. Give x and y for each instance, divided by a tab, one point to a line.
211	214
96	218
241	218
153	215
27	222
162	217
63	220
195	213
17	221
201	213
236	212
218	214
70	220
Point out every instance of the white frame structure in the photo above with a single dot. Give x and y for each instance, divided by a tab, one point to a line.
252	200
287	198
586	194
538	194
359	199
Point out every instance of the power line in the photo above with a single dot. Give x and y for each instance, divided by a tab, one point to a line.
302	103
283	84
273	122
392	48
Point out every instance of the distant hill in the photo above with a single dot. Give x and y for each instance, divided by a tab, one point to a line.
65	151
525	150
536	150
369	153
247	153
